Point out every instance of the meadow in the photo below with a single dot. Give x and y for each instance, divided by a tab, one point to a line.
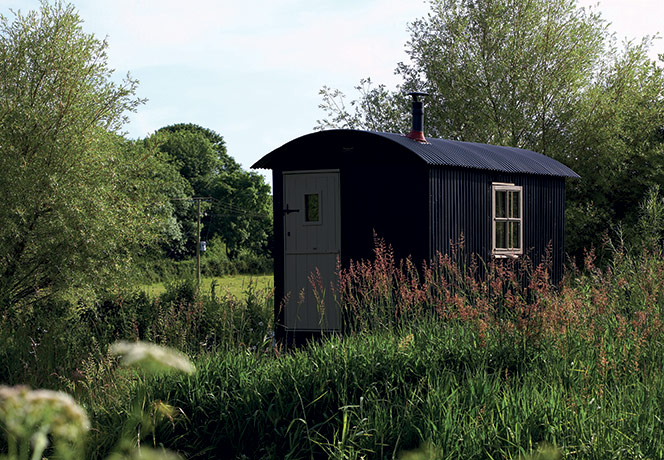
219	286
450	360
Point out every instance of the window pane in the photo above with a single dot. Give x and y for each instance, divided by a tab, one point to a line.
501	235
501	204
515	233
514	205
312	208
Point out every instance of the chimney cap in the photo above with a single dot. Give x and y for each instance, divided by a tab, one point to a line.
416	94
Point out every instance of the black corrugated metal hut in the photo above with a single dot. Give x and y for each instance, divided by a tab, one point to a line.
334	189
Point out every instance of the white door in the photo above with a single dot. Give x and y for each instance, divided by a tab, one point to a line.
312	245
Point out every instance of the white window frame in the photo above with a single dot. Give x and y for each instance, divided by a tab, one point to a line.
503	187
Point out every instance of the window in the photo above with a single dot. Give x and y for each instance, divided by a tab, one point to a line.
312	208
507	225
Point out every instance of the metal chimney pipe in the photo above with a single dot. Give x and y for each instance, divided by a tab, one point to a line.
417	130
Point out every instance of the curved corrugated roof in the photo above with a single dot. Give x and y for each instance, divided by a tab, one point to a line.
444	152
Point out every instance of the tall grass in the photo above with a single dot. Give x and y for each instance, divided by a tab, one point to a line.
445	361
377	396
615	311
58	343
488	367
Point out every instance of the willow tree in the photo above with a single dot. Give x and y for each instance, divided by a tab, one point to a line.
76	198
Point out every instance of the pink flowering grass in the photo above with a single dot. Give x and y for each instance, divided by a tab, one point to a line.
613	312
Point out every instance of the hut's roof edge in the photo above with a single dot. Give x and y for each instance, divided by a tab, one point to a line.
445	152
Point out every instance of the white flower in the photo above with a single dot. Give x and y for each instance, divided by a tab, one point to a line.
151	357
25	412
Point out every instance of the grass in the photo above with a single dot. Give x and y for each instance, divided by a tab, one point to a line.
441	362
235	285
381	394
60	345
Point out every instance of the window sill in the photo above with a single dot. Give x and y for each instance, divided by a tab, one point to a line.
506	255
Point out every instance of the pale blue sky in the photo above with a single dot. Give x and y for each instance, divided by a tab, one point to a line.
251	70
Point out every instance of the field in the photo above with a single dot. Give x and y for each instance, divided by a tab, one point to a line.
436	363
232	284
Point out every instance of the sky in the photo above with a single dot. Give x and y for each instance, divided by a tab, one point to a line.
252	70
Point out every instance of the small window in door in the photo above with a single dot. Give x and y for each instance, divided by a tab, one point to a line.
312	208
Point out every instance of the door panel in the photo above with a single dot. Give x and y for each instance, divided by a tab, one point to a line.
312	246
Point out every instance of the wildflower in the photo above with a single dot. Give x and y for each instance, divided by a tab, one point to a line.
25	412
151	357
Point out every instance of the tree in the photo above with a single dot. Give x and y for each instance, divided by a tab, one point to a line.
177	234
377	109
538	74
224	162
241	213
239	210
77	199
616	144
498	71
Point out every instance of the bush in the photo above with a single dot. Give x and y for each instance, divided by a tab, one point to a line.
52	345
214	263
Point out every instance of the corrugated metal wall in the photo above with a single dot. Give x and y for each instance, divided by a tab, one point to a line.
388	200
460	203
417	208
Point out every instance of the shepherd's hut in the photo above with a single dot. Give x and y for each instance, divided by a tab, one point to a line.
333	190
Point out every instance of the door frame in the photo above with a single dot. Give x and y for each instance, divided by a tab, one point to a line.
284	231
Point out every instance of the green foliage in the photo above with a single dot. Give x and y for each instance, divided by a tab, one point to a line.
215	261
31	419
239	207
618	160
651	219
504	72
152	269
480	375
222	160
194	156
377	395
573	372
377	109
77	198
580	377
544	75
60	343
241	213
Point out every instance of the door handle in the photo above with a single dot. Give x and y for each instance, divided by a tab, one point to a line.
288	211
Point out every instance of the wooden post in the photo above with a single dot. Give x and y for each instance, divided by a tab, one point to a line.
198	248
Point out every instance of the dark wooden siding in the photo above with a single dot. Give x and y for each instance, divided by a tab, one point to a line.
278	225
460	204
